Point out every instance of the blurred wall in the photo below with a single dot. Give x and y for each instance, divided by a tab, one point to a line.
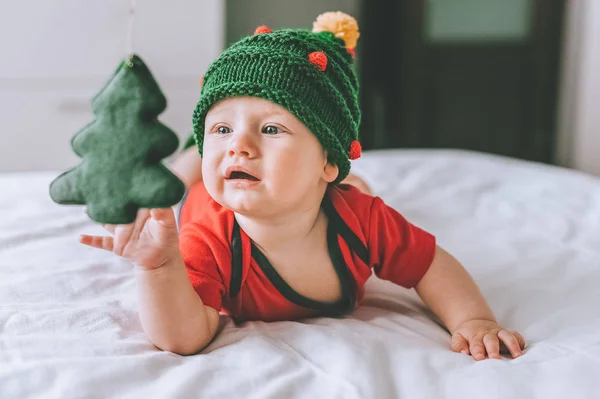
244	16
56	55
579	137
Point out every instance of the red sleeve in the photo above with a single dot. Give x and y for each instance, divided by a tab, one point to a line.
399	251
203	254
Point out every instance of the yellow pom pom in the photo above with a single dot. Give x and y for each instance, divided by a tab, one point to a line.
340	24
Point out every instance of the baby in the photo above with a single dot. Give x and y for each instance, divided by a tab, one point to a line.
269	229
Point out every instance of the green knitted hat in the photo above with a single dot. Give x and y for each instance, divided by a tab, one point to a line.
308	73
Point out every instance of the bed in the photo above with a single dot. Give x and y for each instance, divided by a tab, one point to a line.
528	233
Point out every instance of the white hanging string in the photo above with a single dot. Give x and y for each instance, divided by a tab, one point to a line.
130	33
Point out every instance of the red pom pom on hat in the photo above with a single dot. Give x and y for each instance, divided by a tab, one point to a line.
355	150
319	59
262	29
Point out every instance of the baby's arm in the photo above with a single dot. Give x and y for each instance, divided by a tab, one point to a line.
188	166
172	314
450	292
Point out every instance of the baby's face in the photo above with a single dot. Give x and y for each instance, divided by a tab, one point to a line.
260	160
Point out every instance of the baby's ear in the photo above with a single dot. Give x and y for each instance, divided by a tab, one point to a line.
330	171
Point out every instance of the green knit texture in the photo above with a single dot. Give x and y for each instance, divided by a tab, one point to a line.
275	66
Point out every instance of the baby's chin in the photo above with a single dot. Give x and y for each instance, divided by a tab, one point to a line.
247	204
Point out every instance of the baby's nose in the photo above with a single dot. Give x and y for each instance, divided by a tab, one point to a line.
242	144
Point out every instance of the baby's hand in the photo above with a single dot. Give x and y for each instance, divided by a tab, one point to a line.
150	242
476	337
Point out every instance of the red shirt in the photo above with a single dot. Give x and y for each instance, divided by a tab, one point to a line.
233	276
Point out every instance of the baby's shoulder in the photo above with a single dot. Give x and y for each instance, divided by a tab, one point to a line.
347	198
203	219
205	244
353	207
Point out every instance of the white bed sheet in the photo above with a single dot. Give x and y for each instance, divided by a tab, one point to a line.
528	233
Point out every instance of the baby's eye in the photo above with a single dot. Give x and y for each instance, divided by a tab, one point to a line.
223	130
270	129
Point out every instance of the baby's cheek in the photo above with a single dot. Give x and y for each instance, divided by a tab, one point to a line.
299	158
212	181
290	169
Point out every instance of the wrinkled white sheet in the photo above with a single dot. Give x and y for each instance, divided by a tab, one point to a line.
529	234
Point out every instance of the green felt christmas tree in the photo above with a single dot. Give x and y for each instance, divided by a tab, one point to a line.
122	151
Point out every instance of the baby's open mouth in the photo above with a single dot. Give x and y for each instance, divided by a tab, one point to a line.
238	175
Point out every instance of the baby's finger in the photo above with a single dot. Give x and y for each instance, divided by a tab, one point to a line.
164	216
460	344
520	339
477	349
510	342
492	345
110	228
106	243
